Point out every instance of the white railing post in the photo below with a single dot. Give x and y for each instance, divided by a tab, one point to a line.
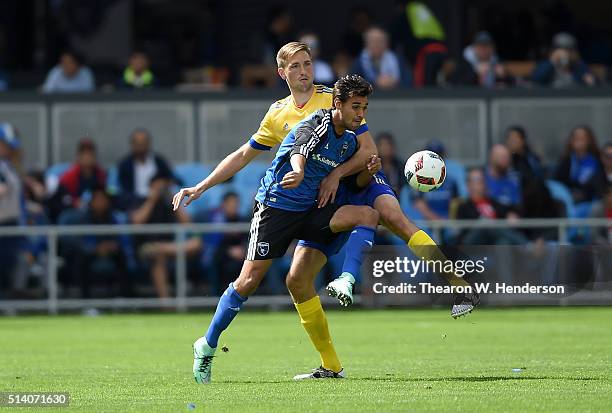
181	270
562	231
52	272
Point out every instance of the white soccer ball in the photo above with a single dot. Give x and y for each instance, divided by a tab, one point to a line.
425	171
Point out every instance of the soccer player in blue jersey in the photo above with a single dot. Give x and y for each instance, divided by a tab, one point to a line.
295	67
286	207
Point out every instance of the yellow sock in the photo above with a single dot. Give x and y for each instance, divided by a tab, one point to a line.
424	247
315	323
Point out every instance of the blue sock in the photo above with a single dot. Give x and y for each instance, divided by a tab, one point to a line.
227	308
360	241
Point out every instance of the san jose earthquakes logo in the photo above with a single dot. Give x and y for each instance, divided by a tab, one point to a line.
263	248
344	148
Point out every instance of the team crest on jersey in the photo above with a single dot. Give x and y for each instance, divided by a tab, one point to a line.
285	126
344	148
263	248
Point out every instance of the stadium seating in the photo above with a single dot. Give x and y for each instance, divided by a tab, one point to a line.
456	171
247	182
191	174
112	180
406	204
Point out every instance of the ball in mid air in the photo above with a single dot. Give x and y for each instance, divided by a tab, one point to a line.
425	171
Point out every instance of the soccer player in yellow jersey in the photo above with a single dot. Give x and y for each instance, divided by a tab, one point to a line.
295	67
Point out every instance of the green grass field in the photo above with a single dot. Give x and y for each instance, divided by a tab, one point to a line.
410	360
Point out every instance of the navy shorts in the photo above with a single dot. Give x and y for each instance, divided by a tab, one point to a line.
367	196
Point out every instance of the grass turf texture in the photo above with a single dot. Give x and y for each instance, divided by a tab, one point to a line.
410	360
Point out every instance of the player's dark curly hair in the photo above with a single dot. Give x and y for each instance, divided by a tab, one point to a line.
351	85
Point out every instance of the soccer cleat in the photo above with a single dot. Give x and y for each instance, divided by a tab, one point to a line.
321	373
202	360
464	304
342	288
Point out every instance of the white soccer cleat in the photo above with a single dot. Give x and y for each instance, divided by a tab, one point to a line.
321	373
202	360
342	288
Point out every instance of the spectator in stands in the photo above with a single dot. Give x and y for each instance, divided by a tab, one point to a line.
580	167
392	165
77	183
502	183
603	209
480	206
138	167
137	75
341	64
69	76
536	199
418	36
360	21
103	256
376	63
436	204
480	65
158	250
564	67
230	248
606	160
33	255
323	73
278	32
11	192
524	161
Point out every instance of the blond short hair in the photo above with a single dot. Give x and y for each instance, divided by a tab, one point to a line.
287	51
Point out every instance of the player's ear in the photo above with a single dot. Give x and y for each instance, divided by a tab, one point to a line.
337	103
281	73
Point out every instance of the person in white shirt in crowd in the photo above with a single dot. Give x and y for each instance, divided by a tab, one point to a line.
69	76
137	168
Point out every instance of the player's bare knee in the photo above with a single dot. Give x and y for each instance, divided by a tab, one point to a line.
368	217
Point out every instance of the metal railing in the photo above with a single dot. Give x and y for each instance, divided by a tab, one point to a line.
181	231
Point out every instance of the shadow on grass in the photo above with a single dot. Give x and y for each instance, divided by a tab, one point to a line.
470	379
424	379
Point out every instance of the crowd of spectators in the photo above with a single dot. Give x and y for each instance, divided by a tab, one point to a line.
514	184
378	62
409	51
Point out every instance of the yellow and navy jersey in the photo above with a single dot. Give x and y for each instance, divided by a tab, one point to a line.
316	139
283	115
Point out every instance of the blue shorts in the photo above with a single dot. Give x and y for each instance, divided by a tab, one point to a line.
367	196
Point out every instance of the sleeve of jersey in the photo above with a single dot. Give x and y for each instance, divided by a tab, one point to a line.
362	128
305	141
263	139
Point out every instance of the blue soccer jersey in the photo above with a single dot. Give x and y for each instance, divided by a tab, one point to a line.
316	139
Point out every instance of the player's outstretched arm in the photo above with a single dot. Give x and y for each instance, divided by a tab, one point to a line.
227	168
329	186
